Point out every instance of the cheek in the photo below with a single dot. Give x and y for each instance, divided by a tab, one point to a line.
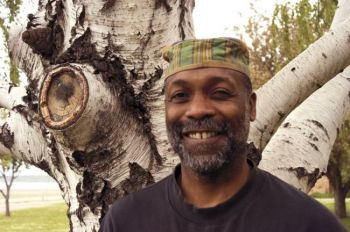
172	113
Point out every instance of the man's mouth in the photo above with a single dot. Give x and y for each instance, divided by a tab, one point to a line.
201	134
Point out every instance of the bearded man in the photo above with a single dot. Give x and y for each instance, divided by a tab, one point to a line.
209	104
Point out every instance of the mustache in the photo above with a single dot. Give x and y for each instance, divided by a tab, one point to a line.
206	124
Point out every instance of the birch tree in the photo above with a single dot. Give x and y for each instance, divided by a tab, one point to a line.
93	114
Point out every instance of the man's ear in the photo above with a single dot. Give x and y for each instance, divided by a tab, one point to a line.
252	106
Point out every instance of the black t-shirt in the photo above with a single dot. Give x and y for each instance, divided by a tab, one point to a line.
263	204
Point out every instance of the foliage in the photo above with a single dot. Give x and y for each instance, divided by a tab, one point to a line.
12	9
46	219
293	27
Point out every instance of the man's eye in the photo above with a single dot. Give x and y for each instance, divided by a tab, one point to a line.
179	97
221	94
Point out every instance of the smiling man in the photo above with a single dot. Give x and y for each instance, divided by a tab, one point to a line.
209	104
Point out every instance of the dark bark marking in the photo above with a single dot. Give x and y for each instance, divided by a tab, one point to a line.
313	146
184	10
287	141
281	114
349	38
89	192
81	49
43	165
293	69
6	136
349	94
287	124
254	154
313	137
40	40
164	3
311	177
324	55
81	17
145	40
319	125
32	21
108	5
142	98
139	178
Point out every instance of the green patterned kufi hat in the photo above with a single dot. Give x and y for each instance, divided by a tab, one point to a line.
205	53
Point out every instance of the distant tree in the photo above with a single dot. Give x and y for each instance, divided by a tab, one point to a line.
338	171
9	168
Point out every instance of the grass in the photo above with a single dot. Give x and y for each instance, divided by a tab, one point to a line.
53	219
46	219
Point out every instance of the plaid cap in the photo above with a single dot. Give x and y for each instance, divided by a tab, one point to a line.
228	53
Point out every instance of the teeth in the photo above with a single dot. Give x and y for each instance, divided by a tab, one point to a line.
201	135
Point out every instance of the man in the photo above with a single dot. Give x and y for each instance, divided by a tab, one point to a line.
209	105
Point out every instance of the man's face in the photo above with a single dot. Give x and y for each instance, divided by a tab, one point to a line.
207	117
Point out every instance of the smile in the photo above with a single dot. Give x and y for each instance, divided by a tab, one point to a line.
201	135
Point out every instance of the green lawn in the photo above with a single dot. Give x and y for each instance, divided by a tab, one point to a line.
53	219
47	219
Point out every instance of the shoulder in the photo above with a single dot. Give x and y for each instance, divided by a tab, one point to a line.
296	207
134	209
144	197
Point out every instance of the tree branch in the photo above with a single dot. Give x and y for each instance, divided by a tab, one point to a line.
2	193
11	96
342	13
296	81
299	150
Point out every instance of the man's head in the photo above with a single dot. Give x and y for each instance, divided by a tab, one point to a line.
209	102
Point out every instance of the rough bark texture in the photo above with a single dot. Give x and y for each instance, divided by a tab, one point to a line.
118	144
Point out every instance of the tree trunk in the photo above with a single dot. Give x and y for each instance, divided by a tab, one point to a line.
340	206
339	190
94	75
7	205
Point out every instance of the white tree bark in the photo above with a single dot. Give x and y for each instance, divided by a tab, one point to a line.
11	96
297	80
117	144
342	13
302	145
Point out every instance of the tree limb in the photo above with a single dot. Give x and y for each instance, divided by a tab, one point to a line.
2	193
299	150
296	81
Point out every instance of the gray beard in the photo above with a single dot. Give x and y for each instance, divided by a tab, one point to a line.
209	164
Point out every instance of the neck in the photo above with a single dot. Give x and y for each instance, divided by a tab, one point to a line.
204	191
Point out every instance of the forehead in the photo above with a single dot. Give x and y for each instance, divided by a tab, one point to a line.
205	76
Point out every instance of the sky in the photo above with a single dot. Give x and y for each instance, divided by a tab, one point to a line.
211	19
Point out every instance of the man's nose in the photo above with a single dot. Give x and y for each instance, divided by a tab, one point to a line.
199	108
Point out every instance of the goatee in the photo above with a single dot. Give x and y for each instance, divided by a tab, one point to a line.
197	158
